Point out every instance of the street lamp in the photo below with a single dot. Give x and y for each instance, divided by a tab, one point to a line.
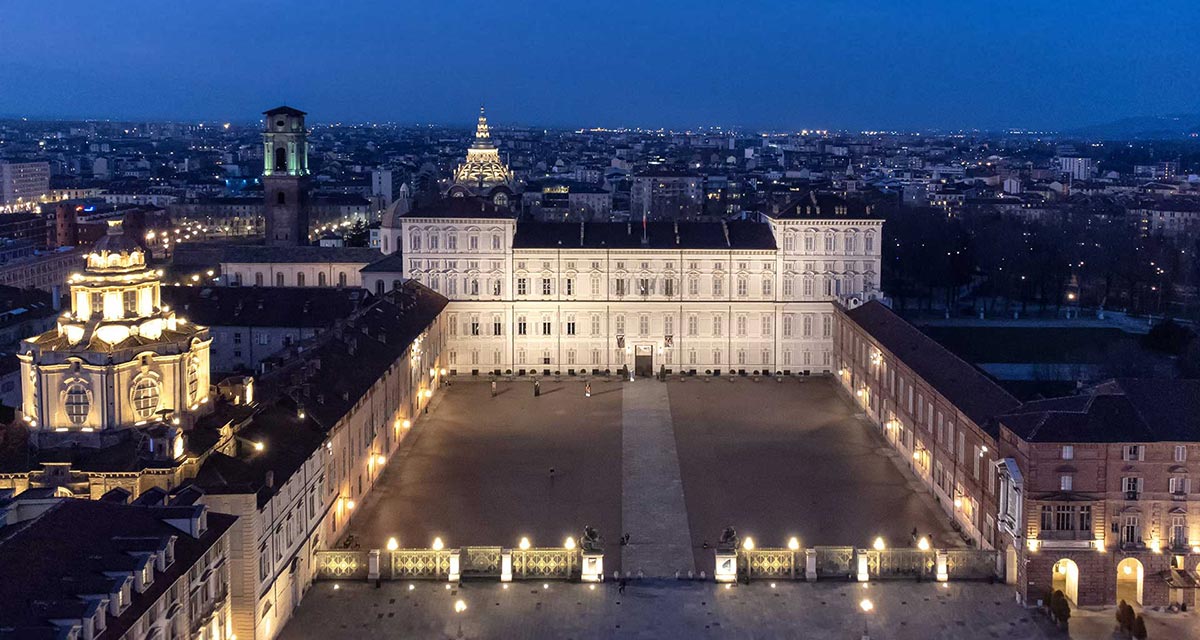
748	544
794	543
460	607
438	545
393	544
524	544
879	544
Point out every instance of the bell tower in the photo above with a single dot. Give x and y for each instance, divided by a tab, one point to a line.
285	177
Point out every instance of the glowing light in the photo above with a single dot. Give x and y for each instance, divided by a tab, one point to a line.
748	544
524	544
438	545
591	587
336	587
545	585
411	587
569	544
259	446
866	605
393	544
460	606
878	544
958	503
923	544
349	505
1127	569
406	424
428	393
794	544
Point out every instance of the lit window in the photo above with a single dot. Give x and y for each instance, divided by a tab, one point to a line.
77	403
146	398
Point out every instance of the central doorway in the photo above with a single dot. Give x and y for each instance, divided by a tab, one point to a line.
643	361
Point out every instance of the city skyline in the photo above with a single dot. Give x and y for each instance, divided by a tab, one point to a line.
820	66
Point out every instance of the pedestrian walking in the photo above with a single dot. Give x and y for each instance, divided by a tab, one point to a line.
587	389
493	388
537	388
621	586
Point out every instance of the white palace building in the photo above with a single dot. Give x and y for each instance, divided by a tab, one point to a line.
546	297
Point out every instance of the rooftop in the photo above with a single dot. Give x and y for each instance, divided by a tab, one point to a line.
1118	410
737	235
968	388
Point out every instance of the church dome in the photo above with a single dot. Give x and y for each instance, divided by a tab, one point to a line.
116	250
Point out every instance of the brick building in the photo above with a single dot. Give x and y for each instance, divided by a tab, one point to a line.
1089	493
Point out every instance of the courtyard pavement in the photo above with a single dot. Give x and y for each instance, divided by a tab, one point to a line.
664	609
477	470
776	460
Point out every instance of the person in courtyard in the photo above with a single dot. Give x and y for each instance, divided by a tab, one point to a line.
587	389
537	388
493	388
621	586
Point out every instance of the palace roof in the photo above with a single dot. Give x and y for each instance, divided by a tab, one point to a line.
683	235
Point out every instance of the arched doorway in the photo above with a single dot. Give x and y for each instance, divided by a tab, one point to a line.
1010	565
1066	579
1129	580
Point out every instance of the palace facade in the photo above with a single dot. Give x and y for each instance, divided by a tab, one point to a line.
706	297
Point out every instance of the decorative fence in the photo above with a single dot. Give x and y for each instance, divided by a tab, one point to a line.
342	565
834	562
848	563
545	563
970	564
420	564
770	563
480	562
901	563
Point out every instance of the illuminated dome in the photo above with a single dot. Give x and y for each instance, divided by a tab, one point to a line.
118	358
482	171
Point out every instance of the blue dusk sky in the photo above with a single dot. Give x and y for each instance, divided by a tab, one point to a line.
655	63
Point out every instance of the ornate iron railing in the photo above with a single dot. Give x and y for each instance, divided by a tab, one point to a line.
834	562
970	564
341	565
545	563
901	563
769	563
480	562
420	564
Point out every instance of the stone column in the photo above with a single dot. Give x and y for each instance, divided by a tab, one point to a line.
373	564
810	565
726	566
593	566
506	565
455	567
942	573
863	561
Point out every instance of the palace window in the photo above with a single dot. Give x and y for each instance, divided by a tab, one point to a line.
77	403
522	286
146	398
595	324
193	380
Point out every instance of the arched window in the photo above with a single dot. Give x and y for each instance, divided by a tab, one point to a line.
193	380
341	278
146	398
281	159
321	282
279	279
299	279
280	198
379	287
77	403
258	279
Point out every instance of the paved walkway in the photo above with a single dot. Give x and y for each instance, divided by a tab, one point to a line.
653	511
667	609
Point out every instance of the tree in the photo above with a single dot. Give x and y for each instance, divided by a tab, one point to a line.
1139	628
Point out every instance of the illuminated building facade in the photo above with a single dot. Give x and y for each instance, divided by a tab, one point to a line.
118	360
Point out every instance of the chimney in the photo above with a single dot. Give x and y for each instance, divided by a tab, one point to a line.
270	480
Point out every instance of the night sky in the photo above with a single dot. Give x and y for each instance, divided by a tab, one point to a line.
903	64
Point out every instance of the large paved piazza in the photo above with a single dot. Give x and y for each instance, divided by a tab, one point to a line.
671	464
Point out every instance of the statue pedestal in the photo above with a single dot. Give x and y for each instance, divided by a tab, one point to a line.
726	570
810	565
593	566
455	566
942	573
373	564
506	565
864	573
